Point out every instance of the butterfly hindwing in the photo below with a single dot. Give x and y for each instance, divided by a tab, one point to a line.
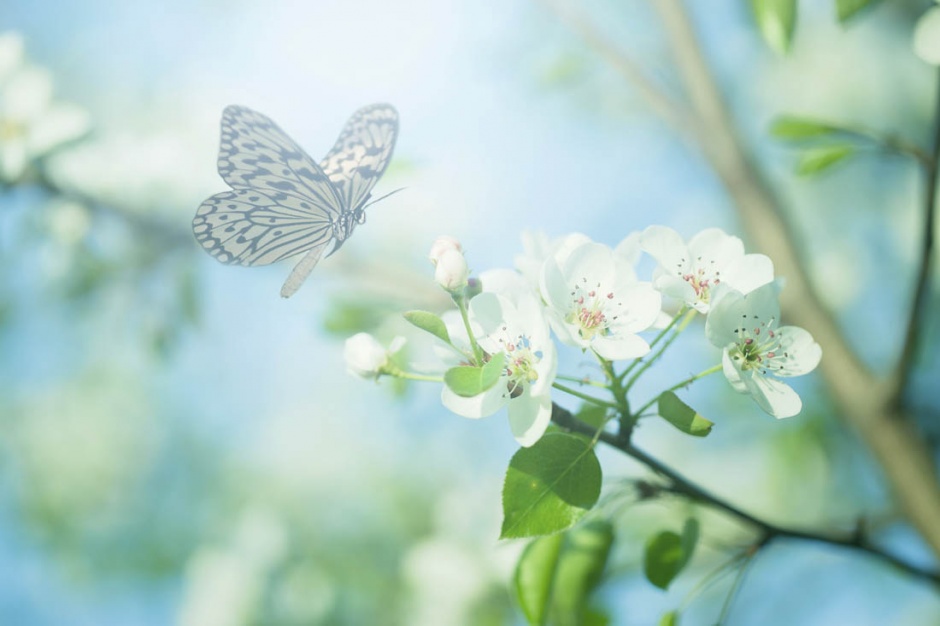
362	152
254	227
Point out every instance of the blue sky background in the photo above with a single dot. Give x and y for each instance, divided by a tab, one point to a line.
507	124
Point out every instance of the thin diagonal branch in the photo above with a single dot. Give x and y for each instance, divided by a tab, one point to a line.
672	112
678	484
922	284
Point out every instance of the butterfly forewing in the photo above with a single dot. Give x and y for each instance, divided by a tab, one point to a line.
362	152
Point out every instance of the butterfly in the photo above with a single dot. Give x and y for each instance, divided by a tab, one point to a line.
283	202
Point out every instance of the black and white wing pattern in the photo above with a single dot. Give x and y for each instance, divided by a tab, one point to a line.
362	152
282	202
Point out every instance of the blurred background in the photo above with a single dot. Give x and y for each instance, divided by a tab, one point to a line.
181	446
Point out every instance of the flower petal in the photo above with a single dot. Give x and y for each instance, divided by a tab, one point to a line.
713	249
529	416
480	405
775	397
927	37
592	261
26	94
801	350
748	273
667	247
59	123
620	346
732	372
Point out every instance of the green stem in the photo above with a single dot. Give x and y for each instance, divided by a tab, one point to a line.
585	397
735	587
462	307
686	319
709	579
581	381
626	421
653	343
688	381
413	376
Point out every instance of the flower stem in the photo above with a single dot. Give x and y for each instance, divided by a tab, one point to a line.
584	396
684	320
581	381
653	343
685	383
462	307
413	376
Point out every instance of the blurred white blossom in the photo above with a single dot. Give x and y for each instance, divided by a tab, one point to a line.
31	122
927	37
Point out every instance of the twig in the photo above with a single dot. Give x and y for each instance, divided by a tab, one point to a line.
671	111
922	286
678	484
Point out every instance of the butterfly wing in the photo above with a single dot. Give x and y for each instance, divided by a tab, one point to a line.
361	153
281	203
254	227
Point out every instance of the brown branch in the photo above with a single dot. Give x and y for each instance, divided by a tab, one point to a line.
865	401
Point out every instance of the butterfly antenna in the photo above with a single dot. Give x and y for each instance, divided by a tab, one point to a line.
383	197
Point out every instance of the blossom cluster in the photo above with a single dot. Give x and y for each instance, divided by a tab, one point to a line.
500	347
32	123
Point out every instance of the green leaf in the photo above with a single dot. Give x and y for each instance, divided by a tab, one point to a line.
682	416
776	20
534	576
790	127
549	486
556	575
669	619
580	569
593	415
469	380
846	9
816	160
689	538
429	322
667	553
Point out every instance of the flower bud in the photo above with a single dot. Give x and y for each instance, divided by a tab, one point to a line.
365	357
441	245
452	272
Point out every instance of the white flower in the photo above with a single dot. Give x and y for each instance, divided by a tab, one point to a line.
31	124
537	247
441	245
712	261
451	271
595	302
367	358
927	37
745	327
520	331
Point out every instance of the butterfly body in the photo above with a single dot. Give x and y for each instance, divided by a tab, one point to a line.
282	202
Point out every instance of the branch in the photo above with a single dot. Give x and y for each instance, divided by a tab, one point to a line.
671	111
678	484
922	285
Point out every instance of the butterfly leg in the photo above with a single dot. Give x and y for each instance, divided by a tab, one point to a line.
302	270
